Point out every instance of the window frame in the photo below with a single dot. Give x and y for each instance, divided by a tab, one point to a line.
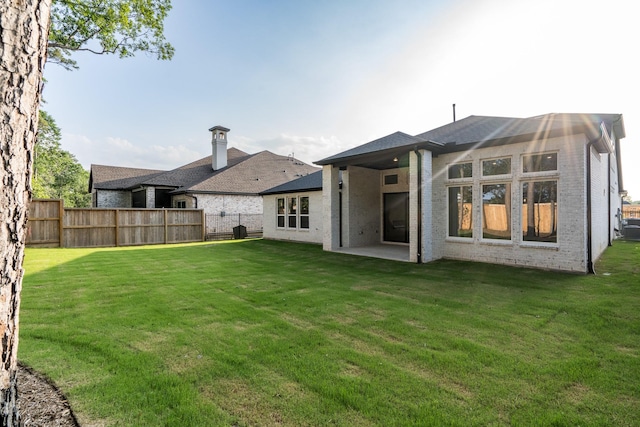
281	215
498	176
508	201
460	187
555	223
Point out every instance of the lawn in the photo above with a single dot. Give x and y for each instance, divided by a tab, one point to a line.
260	333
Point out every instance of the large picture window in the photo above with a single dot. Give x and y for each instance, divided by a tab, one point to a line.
540	211
496	211
460	211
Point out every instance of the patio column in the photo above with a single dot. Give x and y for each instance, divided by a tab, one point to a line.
330	207
420	213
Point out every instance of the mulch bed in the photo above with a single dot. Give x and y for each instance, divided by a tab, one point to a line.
41	403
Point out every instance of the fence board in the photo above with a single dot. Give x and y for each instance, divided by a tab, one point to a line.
52	225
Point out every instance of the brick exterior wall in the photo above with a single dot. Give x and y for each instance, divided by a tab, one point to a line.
112	199
217	203
312	235
567	254
361	201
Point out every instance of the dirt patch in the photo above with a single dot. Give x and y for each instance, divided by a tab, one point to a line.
41	403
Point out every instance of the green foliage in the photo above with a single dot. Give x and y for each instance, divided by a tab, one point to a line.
56	172
121	27
258	332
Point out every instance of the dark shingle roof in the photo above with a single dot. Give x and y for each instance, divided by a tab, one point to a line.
244	174
311	182
118	178
389	142
486	131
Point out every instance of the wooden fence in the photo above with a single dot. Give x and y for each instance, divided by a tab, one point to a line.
630	211
51	225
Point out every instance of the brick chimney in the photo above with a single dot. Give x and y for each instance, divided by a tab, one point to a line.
218	147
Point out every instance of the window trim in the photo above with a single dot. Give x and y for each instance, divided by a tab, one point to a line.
281	215
508	208
298	215
468	183
463	178
498	177
538	243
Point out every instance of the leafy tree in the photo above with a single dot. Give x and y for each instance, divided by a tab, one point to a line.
56	172
121	27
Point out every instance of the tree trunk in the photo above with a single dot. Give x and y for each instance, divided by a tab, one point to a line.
24	27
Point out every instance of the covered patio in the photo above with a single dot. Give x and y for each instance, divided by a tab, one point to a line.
382	251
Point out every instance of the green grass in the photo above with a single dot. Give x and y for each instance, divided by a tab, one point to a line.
260	333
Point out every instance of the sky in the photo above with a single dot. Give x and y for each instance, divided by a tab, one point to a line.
314	78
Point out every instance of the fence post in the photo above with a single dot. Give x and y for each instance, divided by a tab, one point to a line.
166	227
61	223
203	225
117	228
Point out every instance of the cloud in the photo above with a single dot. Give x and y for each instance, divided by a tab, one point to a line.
117	151
306	148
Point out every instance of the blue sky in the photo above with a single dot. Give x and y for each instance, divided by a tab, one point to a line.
315	78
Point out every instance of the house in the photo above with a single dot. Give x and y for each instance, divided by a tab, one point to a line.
293	210
541	192
228	181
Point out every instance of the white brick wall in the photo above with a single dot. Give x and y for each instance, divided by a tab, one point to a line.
216	203
313	235
362	207
567	254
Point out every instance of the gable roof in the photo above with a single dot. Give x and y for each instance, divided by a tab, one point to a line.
481	131
246	174
311	182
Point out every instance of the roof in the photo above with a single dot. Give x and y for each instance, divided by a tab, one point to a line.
104	177
479	131
246	174
311	182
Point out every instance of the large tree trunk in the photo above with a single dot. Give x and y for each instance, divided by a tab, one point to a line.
24	27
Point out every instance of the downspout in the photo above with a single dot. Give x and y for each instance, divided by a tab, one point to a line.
609	198
419	199
590	266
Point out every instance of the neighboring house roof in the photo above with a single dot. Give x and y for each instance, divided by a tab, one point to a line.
482	131
118	178
246	174
311	182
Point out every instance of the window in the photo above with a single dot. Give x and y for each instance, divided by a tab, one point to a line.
496	167
181	204
292	212
390	179
460	211
496	211
304	212
280	212
540	211
460	170
540	162
139	199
